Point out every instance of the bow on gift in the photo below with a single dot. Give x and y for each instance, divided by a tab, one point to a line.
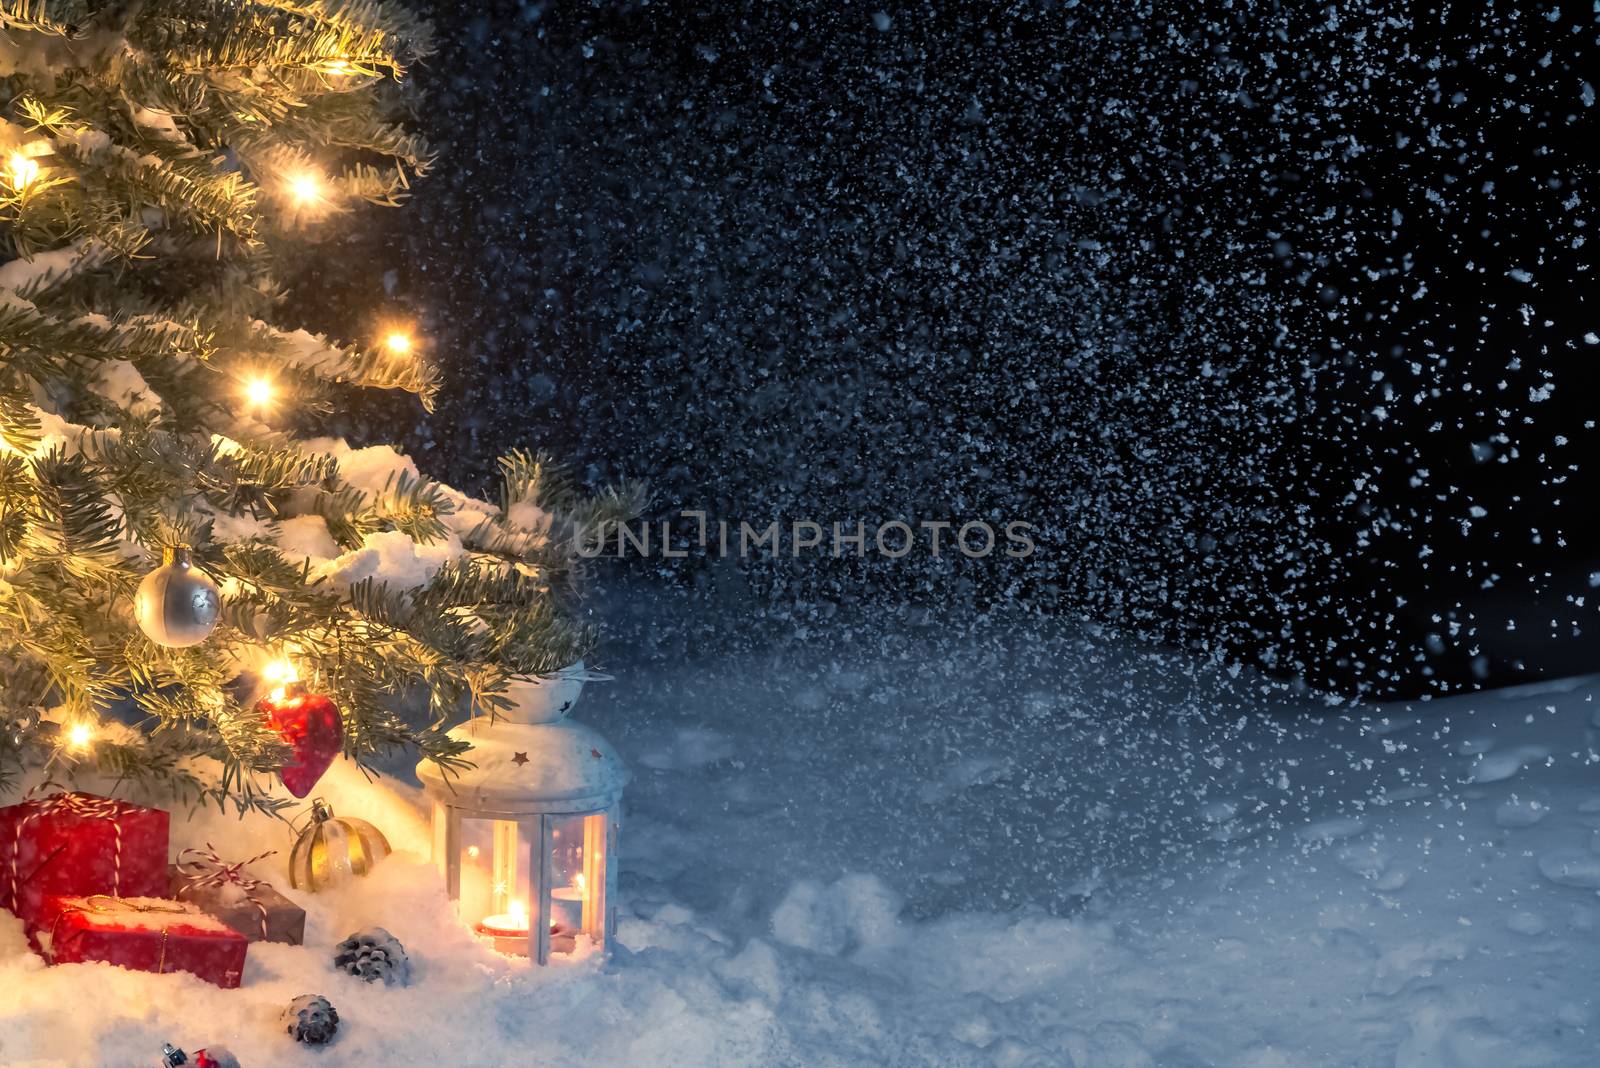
119	905
98	808
206	868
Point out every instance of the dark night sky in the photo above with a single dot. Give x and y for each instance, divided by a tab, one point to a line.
1272	320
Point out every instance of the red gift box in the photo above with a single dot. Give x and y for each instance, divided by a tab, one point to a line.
147	934
73	843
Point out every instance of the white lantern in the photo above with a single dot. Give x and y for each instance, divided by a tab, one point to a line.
527	838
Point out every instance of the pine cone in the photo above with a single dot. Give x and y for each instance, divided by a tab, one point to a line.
311	1019
374	954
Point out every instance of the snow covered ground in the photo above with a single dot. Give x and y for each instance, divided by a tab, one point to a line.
894	860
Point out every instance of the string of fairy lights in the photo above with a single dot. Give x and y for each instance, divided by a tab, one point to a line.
277	677
260	392
22	171
307	192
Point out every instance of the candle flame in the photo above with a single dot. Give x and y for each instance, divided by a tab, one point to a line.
518	914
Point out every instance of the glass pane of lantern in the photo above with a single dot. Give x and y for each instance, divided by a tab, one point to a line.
607	914
577	880
495	881
596	855
441	837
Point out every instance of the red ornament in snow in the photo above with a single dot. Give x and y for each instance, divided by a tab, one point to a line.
216	1057
309	723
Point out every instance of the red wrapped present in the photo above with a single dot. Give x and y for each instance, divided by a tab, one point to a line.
147	934
73	843
243	902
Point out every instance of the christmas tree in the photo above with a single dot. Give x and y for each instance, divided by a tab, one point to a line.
157	159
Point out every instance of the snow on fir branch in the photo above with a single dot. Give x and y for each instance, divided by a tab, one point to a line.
156	161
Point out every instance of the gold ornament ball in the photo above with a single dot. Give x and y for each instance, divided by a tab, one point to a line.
334	849
177	603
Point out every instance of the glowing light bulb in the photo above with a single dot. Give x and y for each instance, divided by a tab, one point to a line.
338	66
79	735
258	391
306	188
279	674
398	343
23	171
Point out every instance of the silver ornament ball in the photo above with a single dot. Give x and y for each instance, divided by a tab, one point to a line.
177	603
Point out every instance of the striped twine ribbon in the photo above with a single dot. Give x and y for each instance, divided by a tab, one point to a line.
206	868
66	802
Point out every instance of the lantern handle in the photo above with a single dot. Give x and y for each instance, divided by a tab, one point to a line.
571	673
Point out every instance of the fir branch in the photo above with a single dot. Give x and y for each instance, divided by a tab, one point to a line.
347	365
354	121
165	769
257	480
194	36
192	191
19	419
71	523
384	187
341	507
413	505
30	15
16	503
534	478
35	343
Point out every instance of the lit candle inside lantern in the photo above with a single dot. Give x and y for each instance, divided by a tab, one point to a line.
513	921
566	906
508	930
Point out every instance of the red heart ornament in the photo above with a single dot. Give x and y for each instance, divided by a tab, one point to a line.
310	723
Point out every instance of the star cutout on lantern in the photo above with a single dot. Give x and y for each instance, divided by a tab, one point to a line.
519	759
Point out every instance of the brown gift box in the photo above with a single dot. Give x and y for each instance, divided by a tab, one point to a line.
253	908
